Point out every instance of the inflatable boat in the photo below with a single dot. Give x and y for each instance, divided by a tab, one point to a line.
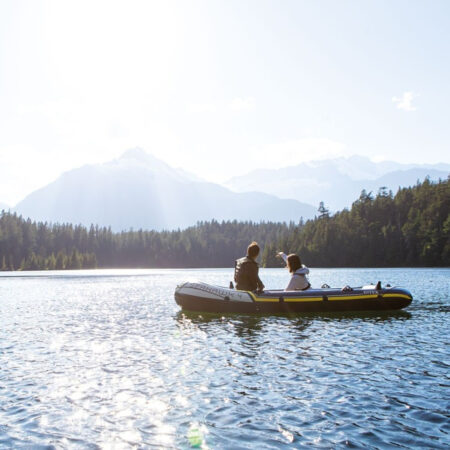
202	297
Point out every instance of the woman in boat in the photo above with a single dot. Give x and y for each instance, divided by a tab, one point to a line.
298	281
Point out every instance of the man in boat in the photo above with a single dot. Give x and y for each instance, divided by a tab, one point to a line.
246	271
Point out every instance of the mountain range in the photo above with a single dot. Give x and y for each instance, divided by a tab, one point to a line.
138	190
337	182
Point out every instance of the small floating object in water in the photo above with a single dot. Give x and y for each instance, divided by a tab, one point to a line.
196	437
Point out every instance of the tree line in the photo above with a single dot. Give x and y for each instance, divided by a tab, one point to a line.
411	229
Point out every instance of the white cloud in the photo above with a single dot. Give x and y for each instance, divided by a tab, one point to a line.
296	151
236	104
202	108
275	155
405	101
242	104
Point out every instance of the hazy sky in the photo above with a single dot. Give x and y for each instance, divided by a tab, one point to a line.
219	87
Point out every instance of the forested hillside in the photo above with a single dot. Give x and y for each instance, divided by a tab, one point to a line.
411	228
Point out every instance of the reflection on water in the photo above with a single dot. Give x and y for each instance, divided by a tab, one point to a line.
111	361
252	323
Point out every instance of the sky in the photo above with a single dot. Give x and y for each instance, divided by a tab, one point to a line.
219	88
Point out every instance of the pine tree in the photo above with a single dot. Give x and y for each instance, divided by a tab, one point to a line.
323	211
61	259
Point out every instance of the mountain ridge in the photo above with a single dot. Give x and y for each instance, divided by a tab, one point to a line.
337	181
139	191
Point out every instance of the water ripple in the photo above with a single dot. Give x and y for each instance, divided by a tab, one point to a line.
110	362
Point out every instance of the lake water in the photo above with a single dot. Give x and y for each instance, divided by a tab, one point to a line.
105	359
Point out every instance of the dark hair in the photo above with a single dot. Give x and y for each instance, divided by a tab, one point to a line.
253	250
293	262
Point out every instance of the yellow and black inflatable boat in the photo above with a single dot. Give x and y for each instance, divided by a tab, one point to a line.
202	297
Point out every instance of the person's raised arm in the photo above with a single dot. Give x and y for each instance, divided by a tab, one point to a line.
283	256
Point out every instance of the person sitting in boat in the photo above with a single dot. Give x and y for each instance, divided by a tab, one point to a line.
246	271
298	281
